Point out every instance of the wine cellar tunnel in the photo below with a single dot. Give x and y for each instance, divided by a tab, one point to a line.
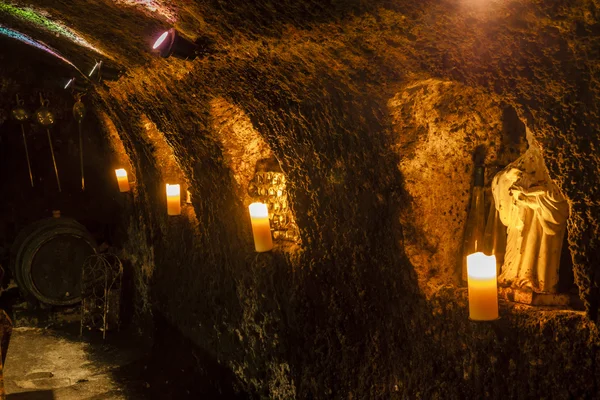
299	199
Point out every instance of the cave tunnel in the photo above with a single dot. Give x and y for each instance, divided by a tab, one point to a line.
304	199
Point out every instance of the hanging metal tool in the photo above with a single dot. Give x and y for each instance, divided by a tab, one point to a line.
45	118
79	114
21	116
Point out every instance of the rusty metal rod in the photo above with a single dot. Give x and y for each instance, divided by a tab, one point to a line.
81	157
53	159
27	155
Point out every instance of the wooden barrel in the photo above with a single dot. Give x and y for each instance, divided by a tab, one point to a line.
47	260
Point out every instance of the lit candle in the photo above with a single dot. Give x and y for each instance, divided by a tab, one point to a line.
259	215
122	180
173	200
483	287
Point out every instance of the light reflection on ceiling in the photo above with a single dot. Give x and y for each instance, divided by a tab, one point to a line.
11	33
41	19
155	6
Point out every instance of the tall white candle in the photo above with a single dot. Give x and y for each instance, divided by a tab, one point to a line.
483	287
261	229
173	199
122	180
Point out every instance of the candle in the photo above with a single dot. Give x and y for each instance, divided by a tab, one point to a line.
483	288
122	180
173	200
259	215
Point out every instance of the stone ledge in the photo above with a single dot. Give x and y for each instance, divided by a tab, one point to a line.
534	298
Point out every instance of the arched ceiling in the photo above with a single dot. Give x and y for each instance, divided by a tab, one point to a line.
439	37
124	30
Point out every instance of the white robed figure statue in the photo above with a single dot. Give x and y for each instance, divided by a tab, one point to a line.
535	213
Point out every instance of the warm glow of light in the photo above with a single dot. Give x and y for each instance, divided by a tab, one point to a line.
480	266
483	287
173	199
259	210
69	83
160	40
173	190
122	180
261	228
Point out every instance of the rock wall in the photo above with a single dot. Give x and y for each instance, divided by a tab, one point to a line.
354	101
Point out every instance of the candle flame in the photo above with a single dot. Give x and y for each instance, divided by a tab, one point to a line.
173	190
259	210
480	266
121	173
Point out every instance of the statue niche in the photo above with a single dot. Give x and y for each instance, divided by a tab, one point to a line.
535	213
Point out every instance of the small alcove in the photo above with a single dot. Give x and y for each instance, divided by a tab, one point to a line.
443	128
256	171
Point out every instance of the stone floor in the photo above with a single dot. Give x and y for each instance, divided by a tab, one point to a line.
44	364
48	360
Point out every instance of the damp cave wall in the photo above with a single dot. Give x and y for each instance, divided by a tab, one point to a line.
347	315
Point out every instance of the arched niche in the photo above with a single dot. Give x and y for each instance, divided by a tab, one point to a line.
440	127
256	171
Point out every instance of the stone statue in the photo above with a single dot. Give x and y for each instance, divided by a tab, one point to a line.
535	213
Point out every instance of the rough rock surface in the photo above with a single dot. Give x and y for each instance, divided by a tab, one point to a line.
367	308
441	127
